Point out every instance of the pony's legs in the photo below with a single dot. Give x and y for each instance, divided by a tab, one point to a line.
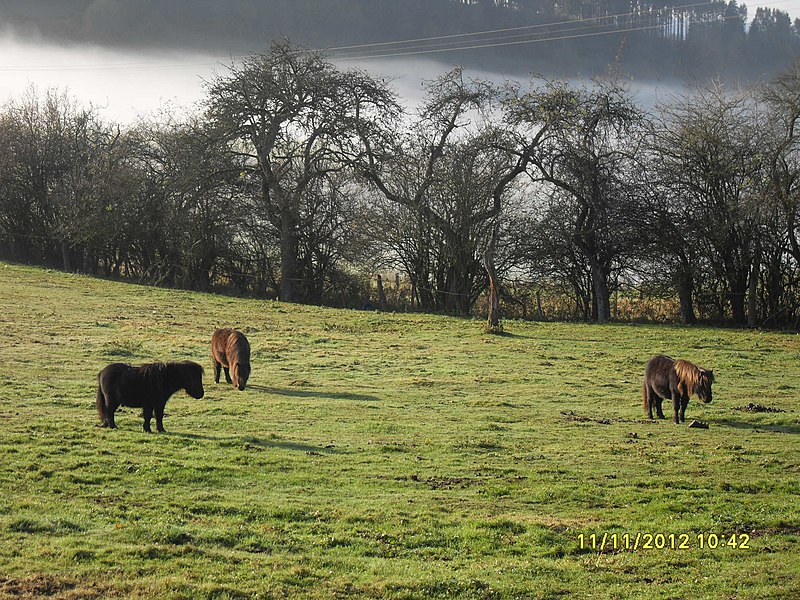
147	413
684	404
217	369
159	418
652	399
676	407
228	375
109	418
106	409
659	409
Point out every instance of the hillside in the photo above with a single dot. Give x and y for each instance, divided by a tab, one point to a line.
385	455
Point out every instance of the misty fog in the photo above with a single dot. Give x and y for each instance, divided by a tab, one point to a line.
122	85
125	85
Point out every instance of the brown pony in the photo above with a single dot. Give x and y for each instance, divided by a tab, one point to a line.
676	379
230	350
148	386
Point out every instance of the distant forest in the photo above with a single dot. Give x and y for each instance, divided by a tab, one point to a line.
684	39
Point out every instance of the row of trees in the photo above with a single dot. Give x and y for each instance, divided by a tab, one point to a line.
301	181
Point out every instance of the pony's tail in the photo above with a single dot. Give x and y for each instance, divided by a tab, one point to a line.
644	396
100	403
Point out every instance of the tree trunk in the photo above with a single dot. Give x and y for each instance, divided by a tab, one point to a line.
89	263
203	279
539	311
65	255
493	324
791	219
752	297
288	257
13	248
601	294
381	295
737	297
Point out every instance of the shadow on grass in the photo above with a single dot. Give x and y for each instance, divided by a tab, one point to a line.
759	426
249	442
509	334
314	394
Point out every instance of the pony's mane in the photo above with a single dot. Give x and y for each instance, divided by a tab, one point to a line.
157	373
149	369
188	367
152	375
688	373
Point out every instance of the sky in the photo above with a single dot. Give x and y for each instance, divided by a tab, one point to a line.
789	6
123	86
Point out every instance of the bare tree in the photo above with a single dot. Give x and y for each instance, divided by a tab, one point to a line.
782	96
711	147
290	114
196	193
584	142
54	155
408	169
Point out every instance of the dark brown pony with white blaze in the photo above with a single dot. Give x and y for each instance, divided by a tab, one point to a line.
230	351
147	387
665	377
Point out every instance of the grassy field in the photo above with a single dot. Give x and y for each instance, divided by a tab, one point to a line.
386	455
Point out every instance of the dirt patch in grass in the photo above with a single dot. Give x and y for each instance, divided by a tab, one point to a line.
437	483
49	586
758	408
571	416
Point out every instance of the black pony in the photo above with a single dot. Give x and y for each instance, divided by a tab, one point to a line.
148	386
675	379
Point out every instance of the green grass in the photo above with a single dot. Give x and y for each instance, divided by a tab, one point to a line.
383	455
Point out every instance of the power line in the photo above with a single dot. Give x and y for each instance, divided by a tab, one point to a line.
509	29
549	36
498	44
456	45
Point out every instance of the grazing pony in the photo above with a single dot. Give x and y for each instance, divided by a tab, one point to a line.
148	386
230	350
676	379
